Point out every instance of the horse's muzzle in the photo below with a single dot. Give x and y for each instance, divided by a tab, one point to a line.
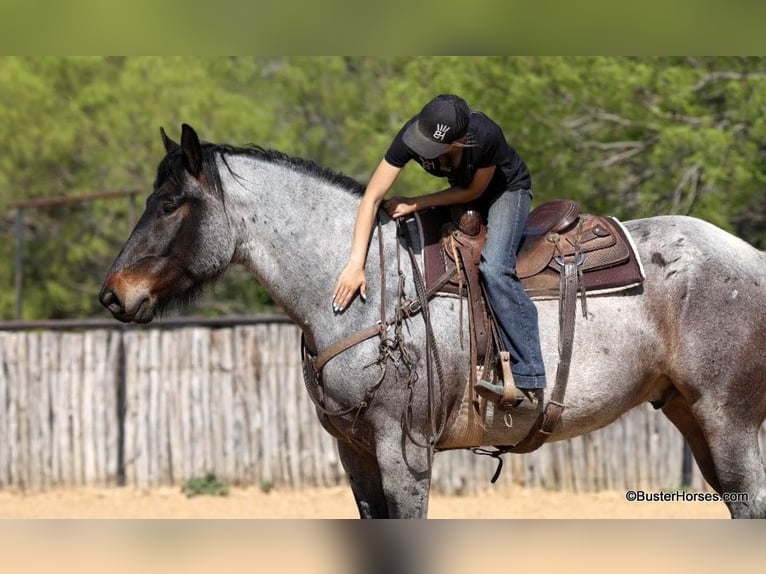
127	305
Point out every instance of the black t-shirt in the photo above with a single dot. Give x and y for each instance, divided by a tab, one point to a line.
485	146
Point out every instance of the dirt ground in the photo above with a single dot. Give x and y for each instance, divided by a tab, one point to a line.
351	547
335	502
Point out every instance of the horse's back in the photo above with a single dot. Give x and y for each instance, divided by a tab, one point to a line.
695	241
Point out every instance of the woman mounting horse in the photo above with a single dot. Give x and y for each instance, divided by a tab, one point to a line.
689	339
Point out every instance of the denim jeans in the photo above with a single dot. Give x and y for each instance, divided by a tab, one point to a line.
516	314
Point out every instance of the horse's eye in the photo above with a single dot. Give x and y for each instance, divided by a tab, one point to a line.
169	206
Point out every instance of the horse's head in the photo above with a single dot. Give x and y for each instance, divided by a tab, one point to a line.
181	242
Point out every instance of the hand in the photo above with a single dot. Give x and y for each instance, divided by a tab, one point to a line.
399	207
351	280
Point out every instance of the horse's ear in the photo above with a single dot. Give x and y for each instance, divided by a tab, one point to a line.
170	145
192	150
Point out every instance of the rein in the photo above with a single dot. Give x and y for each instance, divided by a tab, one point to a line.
432	354
406	311
314	363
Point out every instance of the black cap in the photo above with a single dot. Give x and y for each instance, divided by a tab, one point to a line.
442	121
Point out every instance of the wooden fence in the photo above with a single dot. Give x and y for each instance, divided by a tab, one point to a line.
156	406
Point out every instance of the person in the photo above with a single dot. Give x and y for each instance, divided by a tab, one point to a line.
450	140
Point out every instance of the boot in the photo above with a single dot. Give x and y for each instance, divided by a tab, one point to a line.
496	393
504	390
504	393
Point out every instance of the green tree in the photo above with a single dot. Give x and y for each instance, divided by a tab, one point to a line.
632	137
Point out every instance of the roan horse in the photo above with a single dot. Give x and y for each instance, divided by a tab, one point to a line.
690	339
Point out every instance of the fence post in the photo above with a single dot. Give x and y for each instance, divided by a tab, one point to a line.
122	407
19	275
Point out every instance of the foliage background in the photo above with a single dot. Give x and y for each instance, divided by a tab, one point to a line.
628	136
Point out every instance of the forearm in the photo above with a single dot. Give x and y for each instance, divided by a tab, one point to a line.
455	195
381	181
365	219
449	196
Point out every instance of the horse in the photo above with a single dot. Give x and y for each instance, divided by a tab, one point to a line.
689	339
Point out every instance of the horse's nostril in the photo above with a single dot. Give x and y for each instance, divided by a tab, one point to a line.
109	300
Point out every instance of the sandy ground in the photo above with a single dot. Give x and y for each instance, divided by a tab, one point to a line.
353	547
336	503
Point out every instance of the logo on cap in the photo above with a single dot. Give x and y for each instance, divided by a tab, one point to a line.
441	131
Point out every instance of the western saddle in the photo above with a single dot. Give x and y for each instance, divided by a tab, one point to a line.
563	253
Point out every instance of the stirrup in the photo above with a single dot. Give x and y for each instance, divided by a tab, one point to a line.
504	393
489	391
510	397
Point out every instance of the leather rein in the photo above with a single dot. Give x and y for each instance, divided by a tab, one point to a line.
314	363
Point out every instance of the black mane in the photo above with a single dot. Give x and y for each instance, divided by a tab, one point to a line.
273	156
172	165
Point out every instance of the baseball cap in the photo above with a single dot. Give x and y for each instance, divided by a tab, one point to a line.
442	121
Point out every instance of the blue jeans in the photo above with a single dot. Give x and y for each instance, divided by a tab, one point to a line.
516	314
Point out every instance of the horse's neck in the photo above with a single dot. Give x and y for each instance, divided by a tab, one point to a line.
294	235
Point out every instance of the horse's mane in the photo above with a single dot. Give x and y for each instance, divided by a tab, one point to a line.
306	166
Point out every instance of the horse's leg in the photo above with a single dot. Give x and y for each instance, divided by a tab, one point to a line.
406	473
679	412
364	477
736	455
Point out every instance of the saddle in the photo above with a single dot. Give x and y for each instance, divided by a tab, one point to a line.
564	253
555	232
